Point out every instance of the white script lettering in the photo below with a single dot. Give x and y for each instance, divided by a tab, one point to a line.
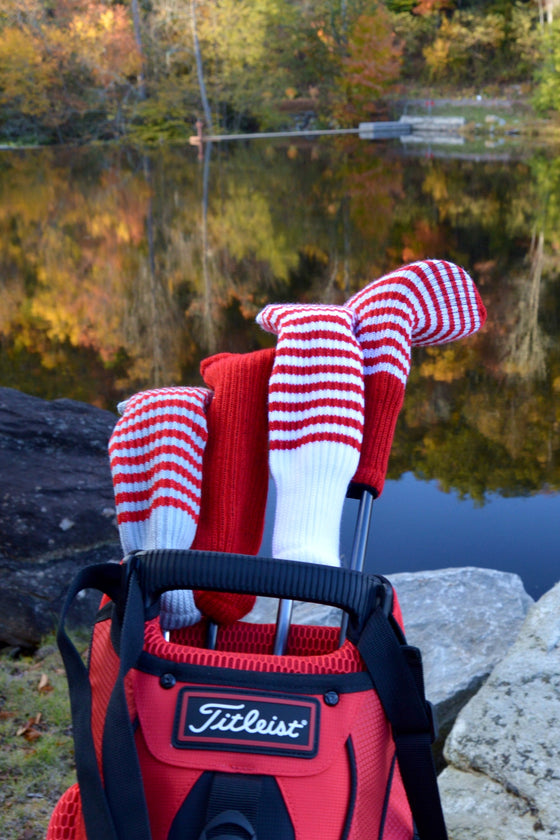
226	717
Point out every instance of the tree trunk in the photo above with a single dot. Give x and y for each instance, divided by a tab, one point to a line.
205	105
138	38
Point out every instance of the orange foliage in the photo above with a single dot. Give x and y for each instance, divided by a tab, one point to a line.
430	7
371	67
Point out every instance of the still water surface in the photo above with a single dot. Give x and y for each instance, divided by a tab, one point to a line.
120	270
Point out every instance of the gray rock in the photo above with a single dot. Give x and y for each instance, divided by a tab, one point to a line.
478	808
509	733
464	621
57	509
57	491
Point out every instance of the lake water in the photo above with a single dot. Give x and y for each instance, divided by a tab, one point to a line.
121	270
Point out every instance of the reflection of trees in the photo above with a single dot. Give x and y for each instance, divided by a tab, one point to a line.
120	271
525	350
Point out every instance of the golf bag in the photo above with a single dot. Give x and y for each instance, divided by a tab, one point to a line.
177	742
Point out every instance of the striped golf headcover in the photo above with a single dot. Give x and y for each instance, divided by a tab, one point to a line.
156	453
316	413
429	302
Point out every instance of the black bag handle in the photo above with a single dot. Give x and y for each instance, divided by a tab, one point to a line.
356	593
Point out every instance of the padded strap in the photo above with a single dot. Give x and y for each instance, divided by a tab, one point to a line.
355	593
396	673
97	816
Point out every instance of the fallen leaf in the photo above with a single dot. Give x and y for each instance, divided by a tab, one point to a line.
29	730
44	684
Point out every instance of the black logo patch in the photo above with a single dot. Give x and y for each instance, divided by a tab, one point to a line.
246	721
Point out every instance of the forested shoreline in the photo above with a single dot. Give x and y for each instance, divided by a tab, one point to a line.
75	71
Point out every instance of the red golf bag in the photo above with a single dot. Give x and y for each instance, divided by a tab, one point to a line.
177	742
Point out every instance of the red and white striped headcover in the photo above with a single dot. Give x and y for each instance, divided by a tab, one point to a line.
423	303
156	452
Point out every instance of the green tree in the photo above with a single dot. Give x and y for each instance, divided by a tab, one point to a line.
547	94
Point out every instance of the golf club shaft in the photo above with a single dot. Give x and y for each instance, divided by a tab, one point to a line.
283	621
359	546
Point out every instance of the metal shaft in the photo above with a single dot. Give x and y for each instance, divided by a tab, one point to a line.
359	546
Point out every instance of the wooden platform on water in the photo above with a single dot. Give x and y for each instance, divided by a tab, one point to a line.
379	130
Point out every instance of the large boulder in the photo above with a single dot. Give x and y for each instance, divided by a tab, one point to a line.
504	749
464	621
57	508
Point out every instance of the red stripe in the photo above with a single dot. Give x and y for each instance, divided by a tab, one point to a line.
153	470
326	369
294	425
352	353
320	402
318	316
388	360
381	295
120	448
143	515
378	290
118	455
297	388
291	332
146	402
137	496
385	325
385	344
315	437
128	425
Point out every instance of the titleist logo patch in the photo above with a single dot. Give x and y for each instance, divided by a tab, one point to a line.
246	721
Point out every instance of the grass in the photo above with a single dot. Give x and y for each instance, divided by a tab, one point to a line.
37	754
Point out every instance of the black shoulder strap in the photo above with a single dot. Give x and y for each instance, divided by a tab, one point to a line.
118	809
97	816
396	671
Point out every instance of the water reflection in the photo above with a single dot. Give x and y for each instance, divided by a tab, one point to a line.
121	270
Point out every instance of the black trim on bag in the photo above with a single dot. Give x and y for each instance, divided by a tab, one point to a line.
105	612
387	798
353	771
148	663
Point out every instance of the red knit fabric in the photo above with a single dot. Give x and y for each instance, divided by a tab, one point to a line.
235	468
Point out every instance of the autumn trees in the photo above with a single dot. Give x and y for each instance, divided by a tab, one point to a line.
62	65
86	69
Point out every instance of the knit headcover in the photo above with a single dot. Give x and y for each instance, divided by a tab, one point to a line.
235	480
315	411
423	303
156	452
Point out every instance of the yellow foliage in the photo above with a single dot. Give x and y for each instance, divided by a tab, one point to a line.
448	363
26	72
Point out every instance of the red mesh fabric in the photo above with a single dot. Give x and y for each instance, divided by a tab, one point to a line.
244	646
374	750
398	822
66	822
103	670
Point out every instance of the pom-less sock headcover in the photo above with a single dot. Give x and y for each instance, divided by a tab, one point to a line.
423	303
235	482
315	425
156	452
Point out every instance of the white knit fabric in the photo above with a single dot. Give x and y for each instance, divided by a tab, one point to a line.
316	411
